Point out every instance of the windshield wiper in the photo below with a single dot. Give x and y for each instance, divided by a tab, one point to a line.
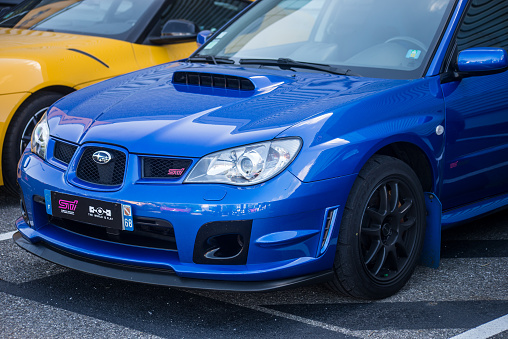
288	64
210	59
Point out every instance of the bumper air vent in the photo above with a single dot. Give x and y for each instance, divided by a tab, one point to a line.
331	216
148	232
213	80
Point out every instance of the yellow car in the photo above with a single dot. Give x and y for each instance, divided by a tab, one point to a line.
49	48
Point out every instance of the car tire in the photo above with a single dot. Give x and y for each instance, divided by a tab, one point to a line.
382	231
19	132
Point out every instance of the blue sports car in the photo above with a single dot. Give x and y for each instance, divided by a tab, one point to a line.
305	141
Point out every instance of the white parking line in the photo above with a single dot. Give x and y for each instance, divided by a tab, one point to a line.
299	319
285	315
487	330
6	236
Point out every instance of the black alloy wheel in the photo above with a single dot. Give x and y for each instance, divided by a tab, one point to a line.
388	231
381	232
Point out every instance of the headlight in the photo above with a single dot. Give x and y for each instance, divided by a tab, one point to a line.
246	165
40	137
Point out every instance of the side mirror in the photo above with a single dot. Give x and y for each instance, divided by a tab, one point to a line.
203	36
478	61
482	61
176	31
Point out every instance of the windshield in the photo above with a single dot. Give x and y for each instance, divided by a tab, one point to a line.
109	18
389	39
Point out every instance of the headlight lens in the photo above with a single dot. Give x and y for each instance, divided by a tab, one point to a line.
40	137
246	165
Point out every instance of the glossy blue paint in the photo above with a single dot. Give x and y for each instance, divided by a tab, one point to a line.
284	238
203	36
431	252
452	133
298	208
341	140
218	122
448	35
481	59
467	212
476	158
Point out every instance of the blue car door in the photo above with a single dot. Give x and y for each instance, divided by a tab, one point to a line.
476	151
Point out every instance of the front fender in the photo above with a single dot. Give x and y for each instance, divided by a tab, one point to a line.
339	143
20	75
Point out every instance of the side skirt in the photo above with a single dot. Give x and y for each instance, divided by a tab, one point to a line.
438	220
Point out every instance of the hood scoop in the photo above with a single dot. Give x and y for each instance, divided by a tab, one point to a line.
211	80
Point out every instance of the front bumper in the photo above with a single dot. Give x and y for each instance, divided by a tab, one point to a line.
287	243
161	277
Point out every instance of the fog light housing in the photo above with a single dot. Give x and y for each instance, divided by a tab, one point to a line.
223	243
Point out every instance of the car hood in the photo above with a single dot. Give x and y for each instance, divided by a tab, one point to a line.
149	113
30	58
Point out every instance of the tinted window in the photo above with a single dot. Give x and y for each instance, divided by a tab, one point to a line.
206	14
485	25
118	19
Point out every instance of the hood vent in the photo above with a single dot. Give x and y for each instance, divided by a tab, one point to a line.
213	80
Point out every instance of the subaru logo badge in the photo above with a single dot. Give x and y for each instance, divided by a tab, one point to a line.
101	157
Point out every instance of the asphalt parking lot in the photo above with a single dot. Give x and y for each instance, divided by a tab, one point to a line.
467	296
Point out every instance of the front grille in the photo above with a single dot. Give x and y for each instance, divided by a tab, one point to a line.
109	174
213	80
148	232
155	168
64	151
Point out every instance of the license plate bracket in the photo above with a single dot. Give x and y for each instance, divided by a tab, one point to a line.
91	211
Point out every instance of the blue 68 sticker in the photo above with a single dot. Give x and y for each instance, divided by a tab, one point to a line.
127	222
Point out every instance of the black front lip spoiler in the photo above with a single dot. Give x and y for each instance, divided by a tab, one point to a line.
161	277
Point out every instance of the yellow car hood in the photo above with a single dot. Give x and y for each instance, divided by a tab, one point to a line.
31	59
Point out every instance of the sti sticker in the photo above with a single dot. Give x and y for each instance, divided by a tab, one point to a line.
413	54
